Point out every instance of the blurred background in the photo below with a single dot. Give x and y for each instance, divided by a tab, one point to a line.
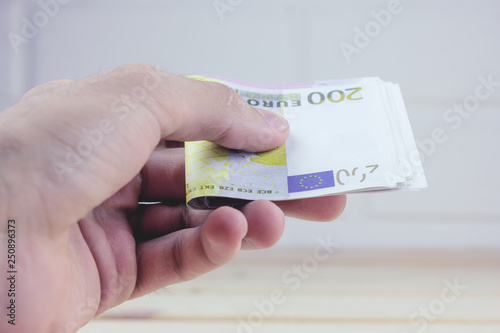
440	52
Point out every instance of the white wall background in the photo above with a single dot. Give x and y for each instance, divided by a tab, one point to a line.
435	50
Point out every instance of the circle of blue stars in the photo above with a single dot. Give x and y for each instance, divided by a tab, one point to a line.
308	179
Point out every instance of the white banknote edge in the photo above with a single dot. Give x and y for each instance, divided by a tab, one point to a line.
410	173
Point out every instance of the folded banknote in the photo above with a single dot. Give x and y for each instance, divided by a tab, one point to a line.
345	136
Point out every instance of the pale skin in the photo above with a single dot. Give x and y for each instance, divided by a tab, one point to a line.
83	243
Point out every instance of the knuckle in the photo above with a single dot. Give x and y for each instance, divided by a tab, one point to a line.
46	87
177	259
180	259
234	107
135	68
228	97
222	128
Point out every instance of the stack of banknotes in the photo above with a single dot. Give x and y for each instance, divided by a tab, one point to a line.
345	136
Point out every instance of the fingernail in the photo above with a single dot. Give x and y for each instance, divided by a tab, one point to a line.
277	122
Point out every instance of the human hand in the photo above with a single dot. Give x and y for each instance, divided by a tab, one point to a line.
75	160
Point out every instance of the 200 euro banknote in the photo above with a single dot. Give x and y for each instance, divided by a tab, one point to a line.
345	136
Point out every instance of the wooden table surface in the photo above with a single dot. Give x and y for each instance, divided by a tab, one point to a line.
316	291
